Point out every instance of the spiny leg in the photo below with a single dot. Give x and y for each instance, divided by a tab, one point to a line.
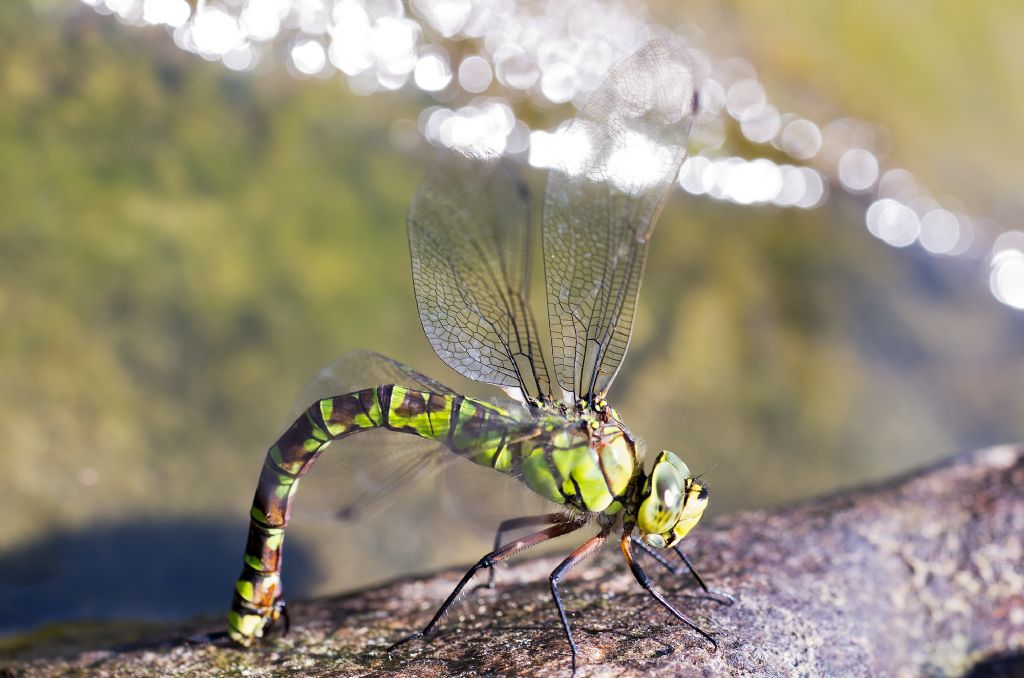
488	561
588	547
716	595
720	597
645	581
517	523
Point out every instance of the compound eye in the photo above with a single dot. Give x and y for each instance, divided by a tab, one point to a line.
660	510
684	470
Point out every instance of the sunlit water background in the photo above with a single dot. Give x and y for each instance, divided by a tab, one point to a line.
831	299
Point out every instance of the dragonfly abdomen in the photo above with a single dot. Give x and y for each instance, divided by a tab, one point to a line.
470	428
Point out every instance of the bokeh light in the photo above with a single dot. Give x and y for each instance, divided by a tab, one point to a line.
309	57
893	222
168	12
940	231
858	169
801	139
1007	275
745	99
474	74
556	54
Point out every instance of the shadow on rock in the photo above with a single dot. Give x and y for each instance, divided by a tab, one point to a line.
998	666
147	570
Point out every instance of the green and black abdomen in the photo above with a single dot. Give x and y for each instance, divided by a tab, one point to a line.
470	428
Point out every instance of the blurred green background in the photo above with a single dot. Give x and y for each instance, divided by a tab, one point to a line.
182	247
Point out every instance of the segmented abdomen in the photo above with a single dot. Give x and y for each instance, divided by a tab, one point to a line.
473	429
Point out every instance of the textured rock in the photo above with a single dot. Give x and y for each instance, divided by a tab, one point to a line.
923	575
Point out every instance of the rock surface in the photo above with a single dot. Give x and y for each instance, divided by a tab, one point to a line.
923	575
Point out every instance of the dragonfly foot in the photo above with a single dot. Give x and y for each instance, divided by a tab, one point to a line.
665	651
279	611
282	610
721	597
403	641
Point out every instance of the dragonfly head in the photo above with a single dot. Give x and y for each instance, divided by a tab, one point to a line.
671	502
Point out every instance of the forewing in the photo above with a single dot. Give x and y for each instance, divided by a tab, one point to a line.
469	236
362	474
484	498
624	150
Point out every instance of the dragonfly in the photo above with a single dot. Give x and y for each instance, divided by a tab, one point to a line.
470	241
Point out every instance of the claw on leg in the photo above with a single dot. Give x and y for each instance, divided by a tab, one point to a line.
638	573
720	597
716	595
487	562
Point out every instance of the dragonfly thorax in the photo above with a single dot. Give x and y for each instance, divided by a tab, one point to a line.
590	463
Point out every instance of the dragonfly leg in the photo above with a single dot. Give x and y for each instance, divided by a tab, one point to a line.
718	596
588	547
287	618
487	561
674	569
517	523
626	544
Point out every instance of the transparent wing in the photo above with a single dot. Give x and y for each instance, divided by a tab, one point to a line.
362	474
469	235
623	152
481	498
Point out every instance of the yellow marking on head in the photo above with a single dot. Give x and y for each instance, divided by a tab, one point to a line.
692	511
